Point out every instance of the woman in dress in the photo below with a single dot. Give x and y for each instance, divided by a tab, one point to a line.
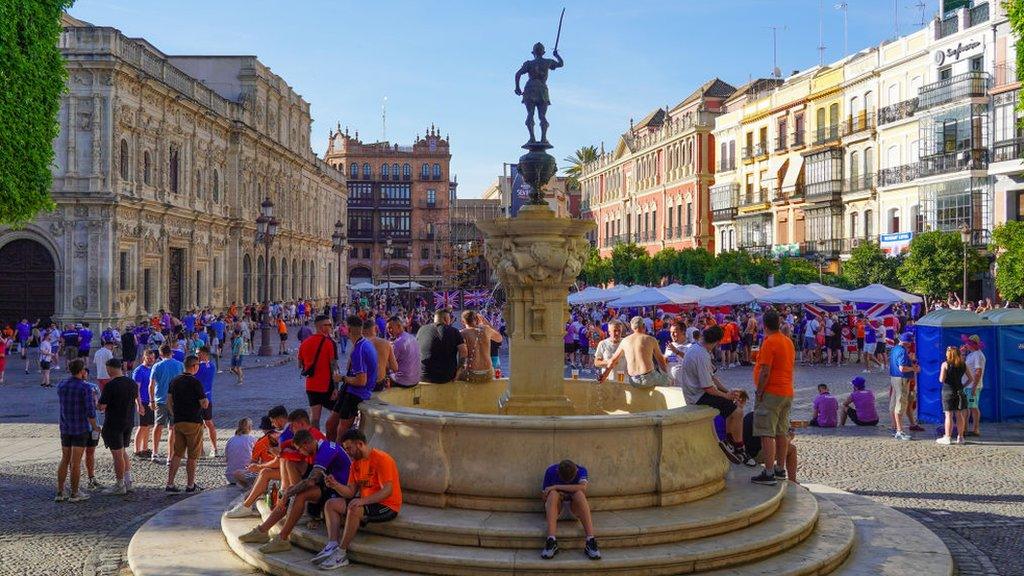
954	401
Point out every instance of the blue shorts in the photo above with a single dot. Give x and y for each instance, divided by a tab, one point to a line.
810	343
236	361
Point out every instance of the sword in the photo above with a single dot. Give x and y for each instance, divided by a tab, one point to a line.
558	36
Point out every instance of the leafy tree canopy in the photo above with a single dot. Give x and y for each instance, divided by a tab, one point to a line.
935	264
1008	241
868	264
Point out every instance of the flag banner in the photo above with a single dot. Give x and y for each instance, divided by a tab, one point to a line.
879	316
520	191
475	298
446	299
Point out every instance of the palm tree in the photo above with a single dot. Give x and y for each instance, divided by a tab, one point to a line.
580	158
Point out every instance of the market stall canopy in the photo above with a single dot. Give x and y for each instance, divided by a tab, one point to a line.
839	293
781	287
801	294
881	294
364	286
734	295
409	286
650	297
690	292
390	286
592	294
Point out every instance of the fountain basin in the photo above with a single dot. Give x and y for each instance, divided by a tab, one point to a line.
454	449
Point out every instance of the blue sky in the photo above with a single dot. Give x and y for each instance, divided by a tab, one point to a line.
452	63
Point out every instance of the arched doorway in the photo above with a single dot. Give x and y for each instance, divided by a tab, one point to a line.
28	284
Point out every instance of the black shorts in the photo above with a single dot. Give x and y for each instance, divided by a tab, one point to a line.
284	336
208	412
117	439
347	405
570	348
75	440
44	364
953	399
748	340
319	398
83	353
860	344
724	406
316	509
147	417
376	513
91	442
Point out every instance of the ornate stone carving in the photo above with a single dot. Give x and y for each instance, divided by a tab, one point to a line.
78	302
81	249
81	211
57	228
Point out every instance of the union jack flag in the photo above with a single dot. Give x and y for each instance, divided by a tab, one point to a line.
877	315
475	297
446	299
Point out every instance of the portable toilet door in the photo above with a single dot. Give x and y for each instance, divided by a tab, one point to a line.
1009	327
934	333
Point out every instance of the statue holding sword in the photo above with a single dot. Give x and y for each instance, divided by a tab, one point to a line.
535	94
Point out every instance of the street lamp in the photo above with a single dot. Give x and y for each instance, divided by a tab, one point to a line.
388	251
339	245
965	237
266	229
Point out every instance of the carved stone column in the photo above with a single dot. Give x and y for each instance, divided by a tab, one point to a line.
536	256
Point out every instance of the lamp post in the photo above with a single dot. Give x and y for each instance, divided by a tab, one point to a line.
388	251
339	245
965	238
266	229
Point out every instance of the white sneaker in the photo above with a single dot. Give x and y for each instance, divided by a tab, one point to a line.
337	560
324	555
241	511
945	441
902	436
117	489
80	497
960	440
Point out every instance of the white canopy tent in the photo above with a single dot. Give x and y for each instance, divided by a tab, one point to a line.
363	286
651	297
734	295
690	292
592	294
881	294
840	293
801	294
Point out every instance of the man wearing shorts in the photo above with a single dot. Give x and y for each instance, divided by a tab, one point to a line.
69	343
23	331
186	401
45	361
901	370
77	425
357	384
375	492
163	372
318	358
974	381
141	375
773	379
566	483
207	372
119	402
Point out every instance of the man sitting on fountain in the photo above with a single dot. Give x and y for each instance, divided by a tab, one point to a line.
565	484
267	472
641	352
329	461
375	492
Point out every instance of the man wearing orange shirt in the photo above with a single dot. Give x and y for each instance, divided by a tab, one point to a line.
373	481
773	379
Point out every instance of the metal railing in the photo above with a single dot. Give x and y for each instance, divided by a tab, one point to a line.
945	163
826	247
947	26
752	197
361	233
859	122
898	111
360	202
829	190
780	142
725	166
756	249
860	182
897	174
826	134
966	85
977	14
1005	73
799	138
1008	150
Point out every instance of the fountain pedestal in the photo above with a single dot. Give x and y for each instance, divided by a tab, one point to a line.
536	256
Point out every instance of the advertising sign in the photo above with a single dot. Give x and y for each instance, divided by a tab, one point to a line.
895	244
520	191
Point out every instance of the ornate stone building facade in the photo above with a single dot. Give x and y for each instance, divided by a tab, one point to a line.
161	165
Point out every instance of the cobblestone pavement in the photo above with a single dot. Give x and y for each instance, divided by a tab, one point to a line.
971	496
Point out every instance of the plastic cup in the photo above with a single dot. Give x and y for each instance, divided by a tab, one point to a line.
575	374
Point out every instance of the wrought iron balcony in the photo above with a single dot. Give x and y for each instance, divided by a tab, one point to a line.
826	134
799	138
947	26
827	191
360	233
861	122
897	174
756	249
977	14
973	159
753	197
396	234
1008	150
672	232
966	85
1006	73
829	247
897	112
859	182
360	202
781	143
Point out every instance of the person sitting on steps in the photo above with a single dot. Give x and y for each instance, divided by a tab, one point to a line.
859	406
565	484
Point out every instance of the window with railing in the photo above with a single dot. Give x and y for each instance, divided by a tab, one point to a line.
897	112
897	174
826	134
973	84
948	25
977	14
954	140
395	195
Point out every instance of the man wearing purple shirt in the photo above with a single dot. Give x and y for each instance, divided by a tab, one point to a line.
859	406
826	408
407	354
24	332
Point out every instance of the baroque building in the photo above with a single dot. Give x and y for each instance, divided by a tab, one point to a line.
398	206
160	168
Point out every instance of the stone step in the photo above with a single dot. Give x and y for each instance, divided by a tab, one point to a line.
789	525
738	506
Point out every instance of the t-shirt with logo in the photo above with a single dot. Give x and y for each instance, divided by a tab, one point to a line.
332	460
70	338
778	354
371	473
551	476
363	361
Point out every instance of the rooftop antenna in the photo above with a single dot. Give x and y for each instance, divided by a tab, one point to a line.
844	8
896	17
776	71
821	37
920	5
384	120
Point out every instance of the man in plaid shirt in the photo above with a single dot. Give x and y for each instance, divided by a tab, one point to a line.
77	426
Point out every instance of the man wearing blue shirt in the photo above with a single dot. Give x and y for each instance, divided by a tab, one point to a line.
901	370
141	375
84	340
206	373
160	378
78	427
566	483
218	330
357	384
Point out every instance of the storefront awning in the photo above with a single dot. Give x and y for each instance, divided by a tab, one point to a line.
796	167
774	165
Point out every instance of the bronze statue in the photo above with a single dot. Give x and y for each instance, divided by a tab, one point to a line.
535	96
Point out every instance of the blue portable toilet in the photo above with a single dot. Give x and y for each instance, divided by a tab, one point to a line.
1009	326
934	333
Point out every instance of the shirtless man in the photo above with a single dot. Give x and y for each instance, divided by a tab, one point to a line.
477	365
641	352
386	361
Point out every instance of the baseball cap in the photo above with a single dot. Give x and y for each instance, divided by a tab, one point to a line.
266	424
906	337
974	341
858	382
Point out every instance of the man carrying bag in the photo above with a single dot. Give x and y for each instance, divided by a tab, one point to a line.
318	359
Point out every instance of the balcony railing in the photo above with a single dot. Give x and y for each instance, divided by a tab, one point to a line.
360	202
403	203
977	14
1005	73
897	112
826	134
798	139
428	205
1008	150
753	197
361	234
860	182
859	122
974	159
826	191
850	243
829	247
727	165
966	85
756	249
780	142
673	232
897	174
947	26
396	234
755	150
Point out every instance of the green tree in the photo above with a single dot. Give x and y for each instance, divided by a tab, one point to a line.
596	270
739	267
624	268
580	158
934	265
1015	13
663	263
868	264
795	270
691	266
32	78
1008	241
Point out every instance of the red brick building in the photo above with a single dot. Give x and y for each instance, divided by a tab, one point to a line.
397	193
